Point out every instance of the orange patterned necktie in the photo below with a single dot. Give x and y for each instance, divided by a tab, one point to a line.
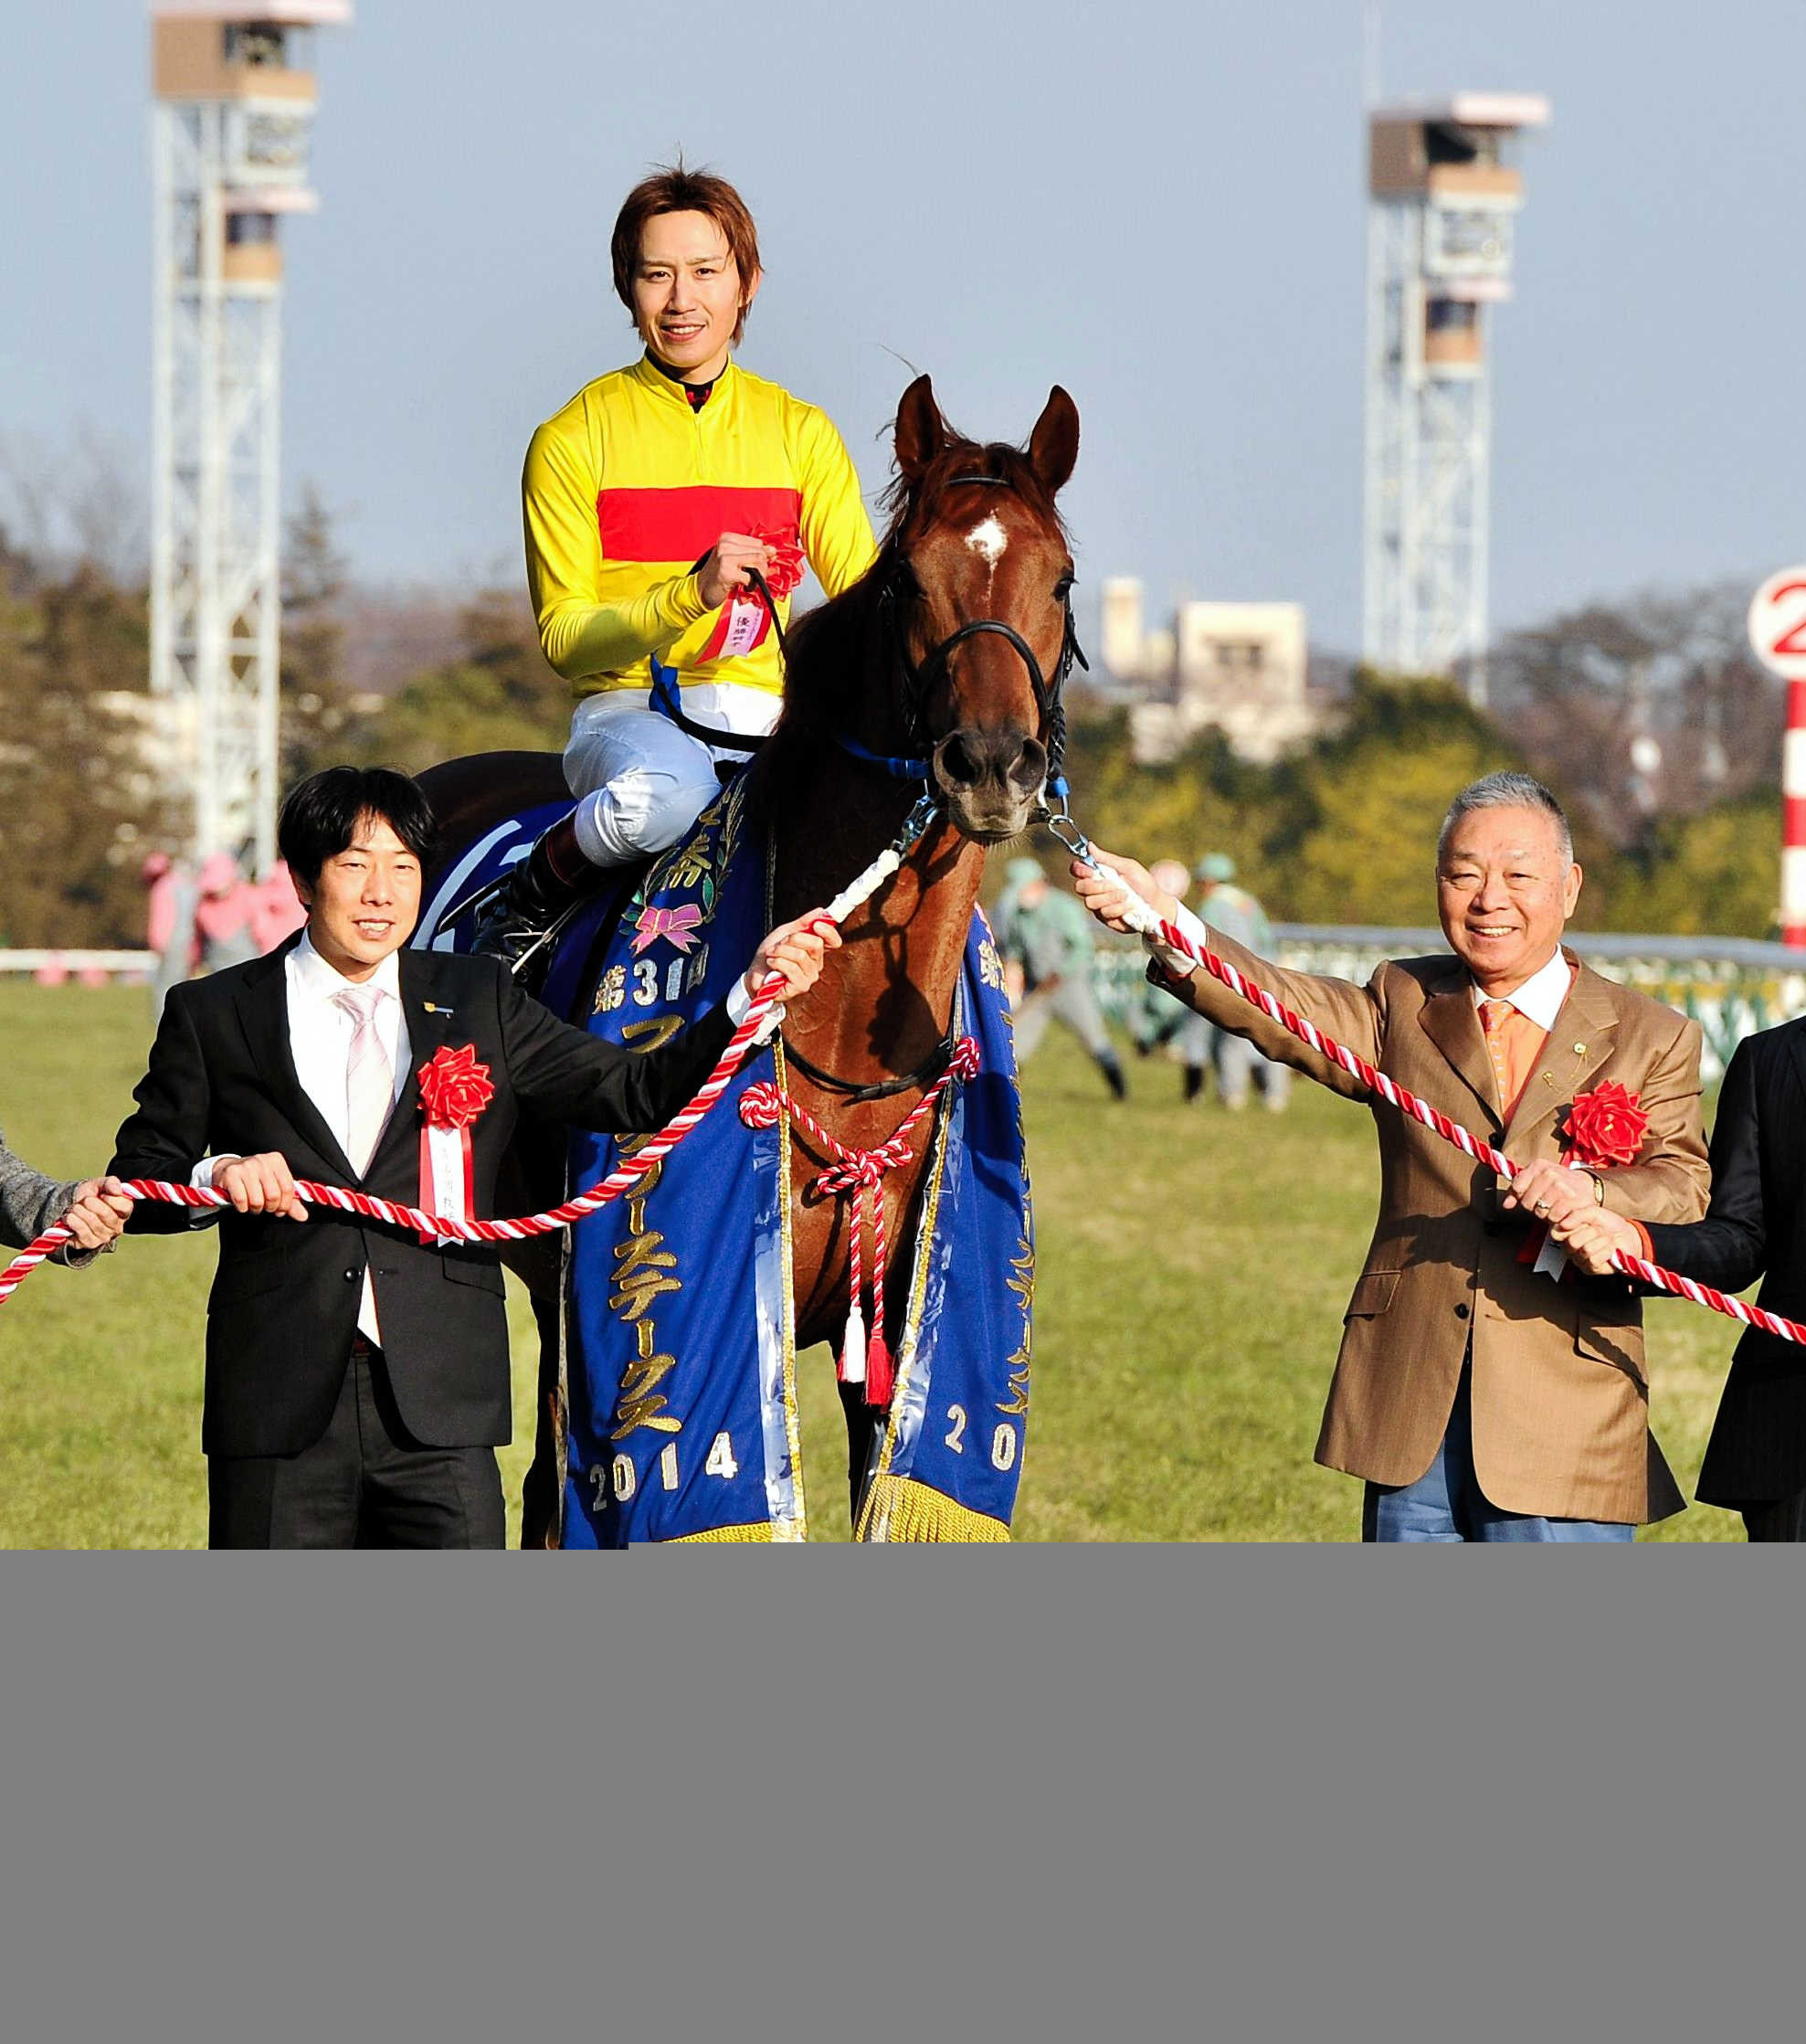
1514	1042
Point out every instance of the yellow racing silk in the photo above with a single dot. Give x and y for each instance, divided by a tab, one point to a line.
626	488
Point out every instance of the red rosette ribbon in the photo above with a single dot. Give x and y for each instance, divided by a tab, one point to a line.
786	572
454	1090
1605	1126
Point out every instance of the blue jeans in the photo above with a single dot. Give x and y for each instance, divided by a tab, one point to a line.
1446	1502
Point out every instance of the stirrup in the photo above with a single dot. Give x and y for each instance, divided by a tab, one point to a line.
530	910
525	942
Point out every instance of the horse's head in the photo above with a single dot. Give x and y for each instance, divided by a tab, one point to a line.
978	577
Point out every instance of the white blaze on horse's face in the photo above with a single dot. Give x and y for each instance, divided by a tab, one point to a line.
989	540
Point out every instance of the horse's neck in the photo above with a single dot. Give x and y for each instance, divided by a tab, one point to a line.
884	998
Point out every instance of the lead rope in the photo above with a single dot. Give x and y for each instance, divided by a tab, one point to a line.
1149	925
759	1020
865	1358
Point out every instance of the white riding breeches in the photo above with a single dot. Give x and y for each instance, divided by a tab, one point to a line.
642	782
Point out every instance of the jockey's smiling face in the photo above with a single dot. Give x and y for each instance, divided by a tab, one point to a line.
687	293
366	901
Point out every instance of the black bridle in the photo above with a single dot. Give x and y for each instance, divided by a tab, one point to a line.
921	676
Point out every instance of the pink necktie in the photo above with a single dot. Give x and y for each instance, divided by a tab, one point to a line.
369	1075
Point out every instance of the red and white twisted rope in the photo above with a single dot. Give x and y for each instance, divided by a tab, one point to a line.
625	1174
864	1358
1148	923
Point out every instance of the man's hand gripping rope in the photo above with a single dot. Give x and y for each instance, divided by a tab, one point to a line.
1107	892
761	1019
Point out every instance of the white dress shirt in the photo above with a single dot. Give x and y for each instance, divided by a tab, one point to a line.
1539	999
319	1035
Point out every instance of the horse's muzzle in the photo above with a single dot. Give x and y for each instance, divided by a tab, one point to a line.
991	781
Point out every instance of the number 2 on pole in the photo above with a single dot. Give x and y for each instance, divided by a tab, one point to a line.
1793	639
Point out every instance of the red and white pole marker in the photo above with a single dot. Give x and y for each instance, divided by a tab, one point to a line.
1777	636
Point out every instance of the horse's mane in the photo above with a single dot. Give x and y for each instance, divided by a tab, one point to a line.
827	646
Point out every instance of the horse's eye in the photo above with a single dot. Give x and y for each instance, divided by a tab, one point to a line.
904	581
1064	587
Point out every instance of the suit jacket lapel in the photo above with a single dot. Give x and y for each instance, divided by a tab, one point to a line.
263	1011
428	1027
1580	1042
1451	1022
1797	1050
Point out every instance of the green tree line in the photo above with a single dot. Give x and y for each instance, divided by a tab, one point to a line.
1345	831
1340	832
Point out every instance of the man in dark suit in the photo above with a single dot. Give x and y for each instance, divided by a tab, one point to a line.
1755	1227
358	1379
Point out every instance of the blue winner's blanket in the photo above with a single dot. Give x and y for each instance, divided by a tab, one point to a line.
681	1366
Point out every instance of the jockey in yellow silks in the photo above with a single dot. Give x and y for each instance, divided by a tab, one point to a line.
649	499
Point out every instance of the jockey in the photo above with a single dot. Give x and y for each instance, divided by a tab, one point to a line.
649	500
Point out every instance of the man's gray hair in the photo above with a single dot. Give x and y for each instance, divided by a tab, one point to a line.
1506	791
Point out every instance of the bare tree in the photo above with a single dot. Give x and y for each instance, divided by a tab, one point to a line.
1649	708
80	502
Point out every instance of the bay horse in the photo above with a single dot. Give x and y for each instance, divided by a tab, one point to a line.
943	663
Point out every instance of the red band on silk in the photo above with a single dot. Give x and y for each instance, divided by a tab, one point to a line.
680	526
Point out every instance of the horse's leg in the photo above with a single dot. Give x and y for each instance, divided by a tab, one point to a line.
542	1492
865	1426
532	1177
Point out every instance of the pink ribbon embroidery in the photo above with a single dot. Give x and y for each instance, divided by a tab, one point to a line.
680	924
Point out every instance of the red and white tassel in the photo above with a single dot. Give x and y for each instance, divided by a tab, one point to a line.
880	1375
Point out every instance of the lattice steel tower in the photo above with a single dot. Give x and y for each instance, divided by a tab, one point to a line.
230	129
1440	215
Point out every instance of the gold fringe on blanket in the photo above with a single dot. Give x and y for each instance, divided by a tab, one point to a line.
723	1536
900	1509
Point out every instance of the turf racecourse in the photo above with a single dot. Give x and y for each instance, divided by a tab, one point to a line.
1193	1269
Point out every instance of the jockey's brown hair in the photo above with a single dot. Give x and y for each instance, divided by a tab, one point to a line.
675	188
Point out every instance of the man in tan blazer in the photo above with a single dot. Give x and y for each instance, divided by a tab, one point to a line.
1479	1399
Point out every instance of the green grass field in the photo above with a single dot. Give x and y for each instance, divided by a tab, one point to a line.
1193	1269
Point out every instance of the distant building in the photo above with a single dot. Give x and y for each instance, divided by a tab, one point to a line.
1239	667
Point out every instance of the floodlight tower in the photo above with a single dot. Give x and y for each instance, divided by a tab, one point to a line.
1440	201
234	109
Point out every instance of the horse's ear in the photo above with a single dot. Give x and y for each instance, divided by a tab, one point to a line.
1053	446
921	432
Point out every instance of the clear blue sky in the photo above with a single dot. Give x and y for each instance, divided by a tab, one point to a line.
1160	206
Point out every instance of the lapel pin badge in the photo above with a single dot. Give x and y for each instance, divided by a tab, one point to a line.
433	1008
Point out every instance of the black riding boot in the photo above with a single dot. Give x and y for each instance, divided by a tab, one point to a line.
1194	1081
553	877
1111	1066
